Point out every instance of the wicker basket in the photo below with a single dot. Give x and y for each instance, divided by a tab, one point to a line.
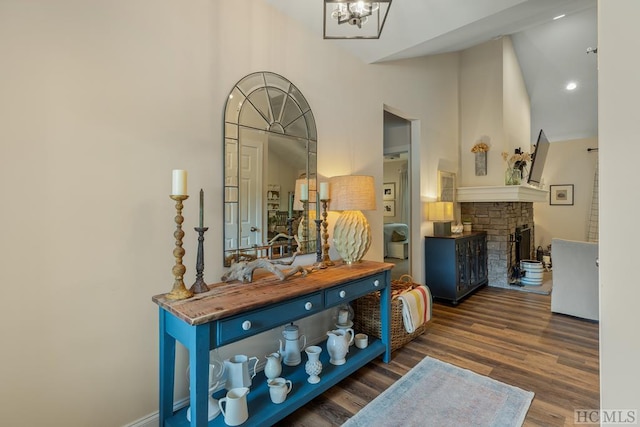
367	314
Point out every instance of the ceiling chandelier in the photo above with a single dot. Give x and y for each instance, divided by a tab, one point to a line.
364	19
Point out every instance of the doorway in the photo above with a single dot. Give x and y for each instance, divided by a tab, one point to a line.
397	193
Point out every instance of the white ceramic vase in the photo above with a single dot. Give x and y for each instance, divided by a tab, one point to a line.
313	367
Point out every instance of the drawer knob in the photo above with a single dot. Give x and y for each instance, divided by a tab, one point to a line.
246	325
376	283
308	306
343	294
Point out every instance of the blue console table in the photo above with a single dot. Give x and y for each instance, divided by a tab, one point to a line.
230	312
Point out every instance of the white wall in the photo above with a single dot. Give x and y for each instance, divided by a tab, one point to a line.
99	101
618	93
568	162
494	109
516	104
481	114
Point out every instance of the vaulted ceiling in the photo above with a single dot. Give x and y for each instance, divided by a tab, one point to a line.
551	52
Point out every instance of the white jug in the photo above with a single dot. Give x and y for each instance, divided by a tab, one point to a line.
237	368
338	345
279	388
273	367
234	406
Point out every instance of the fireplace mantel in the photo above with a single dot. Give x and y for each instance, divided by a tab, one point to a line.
505	193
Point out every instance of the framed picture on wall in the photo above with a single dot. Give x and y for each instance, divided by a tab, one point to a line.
561	194
446	186
389	191
389	207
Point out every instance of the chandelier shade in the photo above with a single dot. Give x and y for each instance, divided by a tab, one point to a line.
354	19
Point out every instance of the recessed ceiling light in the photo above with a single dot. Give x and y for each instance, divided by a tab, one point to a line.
559	16
571	86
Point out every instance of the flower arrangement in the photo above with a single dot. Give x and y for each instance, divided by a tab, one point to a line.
518	160
480	147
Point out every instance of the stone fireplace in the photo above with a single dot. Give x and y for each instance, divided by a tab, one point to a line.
503	212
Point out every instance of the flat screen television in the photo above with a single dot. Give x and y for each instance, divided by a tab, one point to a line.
538	159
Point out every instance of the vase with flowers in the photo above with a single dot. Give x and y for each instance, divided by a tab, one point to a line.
480	150
516	166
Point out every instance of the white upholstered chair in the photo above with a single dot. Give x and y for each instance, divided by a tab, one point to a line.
575	278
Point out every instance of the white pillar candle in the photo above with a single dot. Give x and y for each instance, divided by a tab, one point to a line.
304	192
324	191
179	183
343	317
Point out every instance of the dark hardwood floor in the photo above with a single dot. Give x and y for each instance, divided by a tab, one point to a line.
507	335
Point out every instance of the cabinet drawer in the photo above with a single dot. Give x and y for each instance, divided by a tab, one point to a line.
253	322
353	290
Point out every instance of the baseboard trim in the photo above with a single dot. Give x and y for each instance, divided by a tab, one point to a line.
153	419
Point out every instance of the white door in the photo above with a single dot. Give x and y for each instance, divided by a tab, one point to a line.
251	154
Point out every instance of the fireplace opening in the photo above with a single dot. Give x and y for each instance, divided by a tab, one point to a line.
521	250
523	243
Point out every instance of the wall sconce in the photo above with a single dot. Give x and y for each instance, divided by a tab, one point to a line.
441	213
352	194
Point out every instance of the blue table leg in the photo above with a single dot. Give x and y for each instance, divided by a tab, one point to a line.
198	346
167	369
385	316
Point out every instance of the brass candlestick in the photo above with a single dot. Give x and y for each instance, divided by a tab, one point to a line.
199	286
179	291
325	235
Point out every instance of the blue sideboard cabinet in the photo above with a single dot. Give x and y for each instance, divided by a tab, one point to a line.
455	265
230	312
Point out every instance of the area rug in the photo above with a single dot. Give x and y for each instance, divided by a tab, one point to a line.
435	393
544	289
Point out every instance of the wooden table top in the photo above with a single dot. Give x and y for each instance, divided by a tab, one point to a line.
226	299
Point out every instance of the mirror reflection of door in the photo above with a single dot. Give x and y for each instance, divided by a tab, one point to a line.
251	184
231	175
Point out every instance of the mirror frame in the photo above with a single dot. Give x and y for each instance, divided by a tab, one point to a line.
281	110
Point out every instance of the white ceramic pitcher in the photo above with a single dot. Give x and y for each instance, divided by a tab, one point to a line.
237	368
273	367
234	406
338	345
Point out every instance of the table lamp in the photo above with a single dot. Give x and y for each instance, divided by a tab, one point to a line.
441	213
352	194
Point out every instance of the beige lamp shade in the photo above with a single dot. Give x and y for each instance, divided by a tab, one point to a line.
440	211
353	192
352	234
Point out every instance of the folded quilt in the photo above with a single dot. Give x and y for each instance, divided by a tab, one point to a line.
416	308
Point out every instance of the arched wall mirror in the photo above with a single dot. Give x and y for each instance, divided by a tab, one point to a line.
270	151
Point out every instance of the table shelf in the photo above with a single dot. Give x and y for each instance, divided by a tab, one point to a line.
263	412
